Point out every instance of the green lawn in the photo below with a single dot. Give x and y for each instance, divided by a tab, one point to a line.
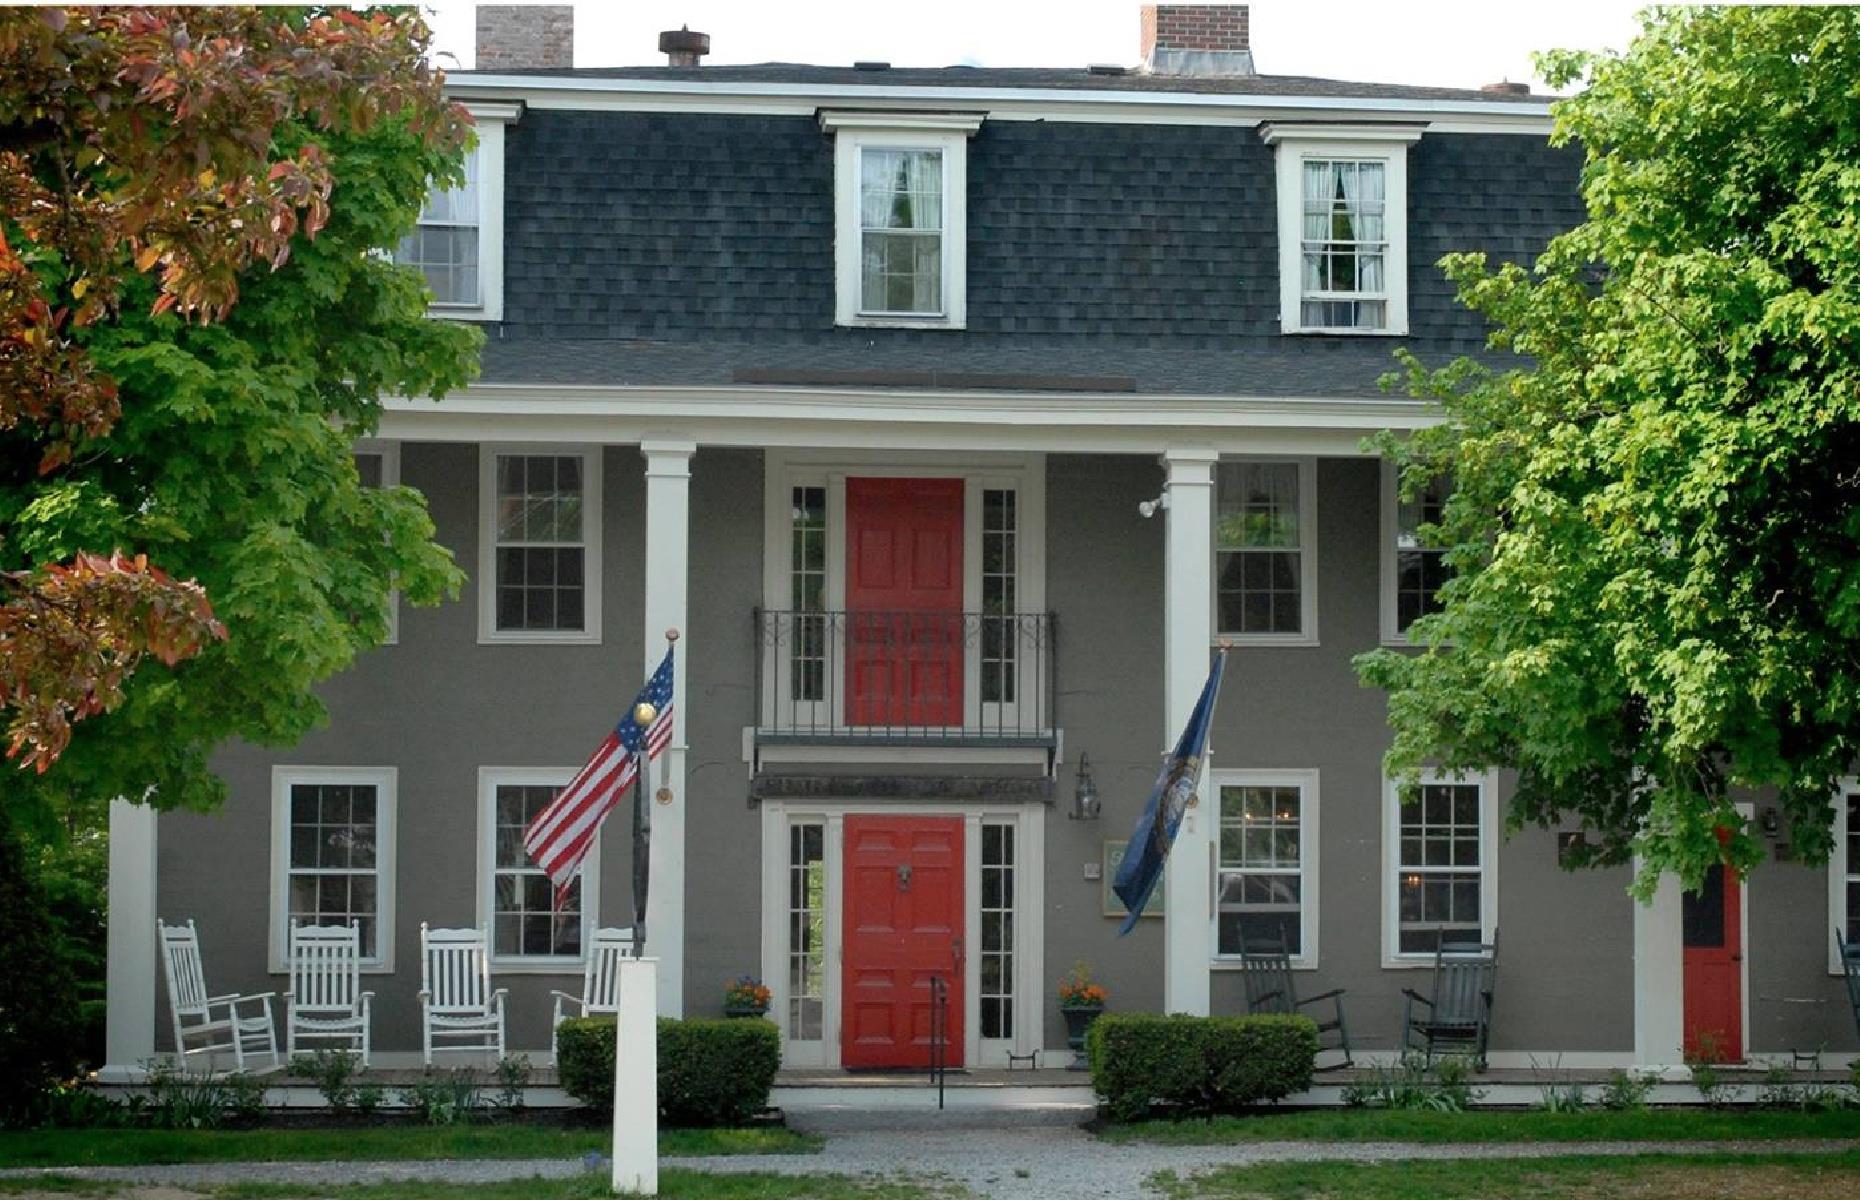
127	1147
1384	1125
673	1184
1692	1177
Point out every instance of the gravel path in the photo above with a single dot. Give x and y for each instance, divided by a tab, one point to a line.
996	1160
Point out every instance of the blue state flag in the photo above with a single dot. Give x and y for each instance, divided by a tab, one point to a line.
1142	867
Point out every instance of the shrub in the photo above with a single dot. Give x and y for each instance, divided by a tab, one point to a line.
40	1032
444	1097
1413	1084
1625	1092
1201	1065
710	1072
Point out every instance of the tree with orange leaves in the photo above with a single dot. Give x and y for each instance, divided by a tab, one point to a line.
195	324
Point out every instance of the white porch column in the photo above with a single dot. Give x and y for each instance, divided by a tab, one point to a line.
666	568
129	1018
1188	633
1659	977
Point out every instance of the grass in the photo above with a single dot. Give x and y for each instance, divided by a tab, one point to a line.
134	1147
1385	1125
1672	1177
673	1183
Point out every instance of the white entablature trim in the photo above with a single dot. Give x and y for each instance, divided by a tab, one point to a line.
953	421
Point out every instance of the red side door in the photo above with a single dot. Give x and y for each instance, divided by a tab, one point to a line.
1714	967
902	927
904	602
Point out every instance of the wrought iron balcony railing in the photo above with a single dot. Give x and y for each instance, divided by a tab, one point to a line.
904	678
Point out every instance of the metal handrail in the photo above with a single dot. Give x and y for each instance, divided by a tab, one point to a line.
842	676
939	1034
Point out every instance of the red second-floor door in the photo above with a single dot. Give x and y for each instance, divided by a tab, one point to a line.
904	635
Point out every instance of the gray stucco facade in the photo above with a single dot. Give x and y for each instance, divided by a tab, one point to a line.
659	260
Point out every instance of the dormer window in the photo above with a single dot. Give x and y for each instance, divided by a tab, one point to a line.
900	217
1343	238
459	243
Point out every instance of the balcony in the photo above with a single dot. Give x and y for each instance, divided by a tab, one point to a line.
904	679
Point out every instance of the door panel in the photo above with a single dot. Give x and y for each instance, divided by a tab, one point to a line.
903	926
1714	967
904	601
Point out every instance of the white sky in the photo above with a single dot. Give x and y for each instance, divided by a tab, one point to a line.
1444	43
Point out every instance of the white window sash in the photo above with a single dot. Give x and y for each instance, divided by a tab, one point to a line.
490	779
590	544
1307	634
854	134
1392	870
1307	784
491	119
1297	143
1842	870
385	782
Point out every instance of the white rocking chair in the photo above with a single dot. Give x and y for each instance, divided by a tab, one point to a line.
214	1021
326	1002
456	1000
600	980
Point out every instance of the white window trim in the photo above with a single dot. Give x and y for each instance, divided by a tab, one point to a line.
786	470
1306	781
591	501
389	454
1386	144
1307	557
855	133
386	783
1031	997
1487	782
1838	869
1392	635
489	780
490	119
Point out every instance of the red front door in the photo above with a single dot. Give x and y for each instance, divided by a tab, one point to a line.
1714	968
903	926
904	601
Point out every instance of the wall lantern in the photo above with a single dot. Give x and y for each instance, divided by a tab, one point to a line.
1085	793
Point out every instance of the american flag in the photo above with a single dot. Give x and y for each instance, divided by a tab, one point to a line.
561	835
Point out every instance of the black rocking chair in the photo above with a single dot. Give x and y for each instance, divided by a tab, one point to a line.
1267	972
1457	1018
1850	961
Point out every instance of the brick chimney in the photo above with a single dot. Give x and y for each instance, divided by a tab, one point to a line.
1196	39
521	37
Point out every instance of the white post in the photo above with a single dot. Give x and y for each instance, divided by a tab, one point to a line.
129	1017
1659	978
1188	635
636	1079
668	521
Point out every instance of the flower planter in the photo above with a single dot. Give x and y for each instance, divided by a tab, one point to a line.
744	1010
1078	1020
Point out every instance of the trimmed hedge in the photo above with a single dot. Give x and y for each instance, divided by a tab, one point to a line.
710	1072
1199	1065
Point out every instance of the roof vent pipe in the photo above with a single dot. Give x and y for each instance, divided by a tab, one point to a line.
682	48
1507	88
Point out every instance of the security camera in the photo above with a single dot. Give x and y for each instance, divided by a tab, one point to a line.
1149	508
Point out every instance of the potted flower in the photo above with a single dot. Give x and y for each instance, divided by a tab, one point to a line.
747	997
1081	999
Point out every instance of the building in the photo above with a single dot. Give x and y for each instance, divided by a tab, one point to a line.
952	415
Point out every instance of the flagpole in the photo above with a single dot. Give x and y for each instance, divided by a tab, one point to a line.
643	717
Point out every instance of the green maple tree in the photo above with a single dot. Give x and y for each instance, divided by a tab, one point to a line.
1656	528
196	322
